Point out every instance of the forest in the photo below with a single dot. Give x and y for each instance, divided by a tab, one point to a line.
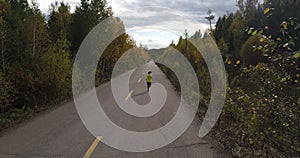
261	49
259	43
38	52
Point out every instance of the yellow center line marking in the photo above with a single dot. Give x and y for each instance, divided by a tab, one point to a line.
139	80
93	147
129	95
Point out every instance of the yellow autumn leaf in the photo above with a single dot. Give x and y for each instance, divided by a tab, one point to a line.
267	27
283	79
267	10
251	141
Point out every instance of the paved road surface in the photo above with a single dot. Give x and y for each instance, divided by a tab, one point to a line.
60	132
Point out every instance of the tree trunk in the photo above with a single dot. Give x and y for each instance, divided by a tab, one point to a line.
210	25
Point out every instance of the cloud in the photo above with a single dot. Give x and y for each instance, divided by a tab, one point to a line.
153	37
174	20
162	25
171	15
195	7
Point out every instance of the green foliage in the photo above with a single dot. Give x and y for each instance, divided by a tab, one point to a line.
11	117
260	45
85	18
252	51
113	52
248	9
223	46
222	27
7	93
279	11
36	55
3	34
261	113
238	34
133	58
59	21
156	53
55	72
262	116
34	35
196	60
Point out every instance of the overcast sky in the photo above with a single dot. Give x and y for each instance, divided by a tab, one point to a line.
156	23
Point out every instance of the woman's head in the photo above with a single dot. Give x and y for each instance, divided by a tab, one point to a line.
149	72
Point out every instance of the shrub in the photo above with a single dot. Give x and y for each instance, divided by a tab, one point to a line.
252	51
7	93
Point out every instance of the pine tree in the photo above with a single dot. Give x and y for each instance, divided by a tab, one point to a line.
210	18
3	32
86	17
59	22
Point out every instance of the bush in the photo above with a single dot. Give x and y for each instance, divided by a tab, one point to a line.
261	120
55	72
252	51
7	93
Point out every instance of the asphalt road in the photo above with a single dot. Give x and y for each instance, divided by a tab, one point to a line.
61	133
